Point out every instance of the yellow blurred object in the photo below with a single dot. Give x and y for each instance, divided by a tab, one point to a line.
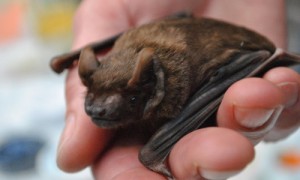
54	19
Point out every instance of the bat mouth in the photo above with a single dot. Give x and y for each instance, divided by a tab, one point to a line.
106	123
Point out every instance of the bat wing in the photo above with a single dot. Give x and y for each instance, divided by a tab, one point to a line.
201	108
64	61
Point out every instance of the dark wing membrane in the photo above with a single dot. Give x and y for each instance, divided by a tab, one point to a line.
279	58
204	104
61	62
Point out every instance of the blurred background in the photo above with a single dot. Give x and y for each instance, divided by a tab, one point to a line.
32	97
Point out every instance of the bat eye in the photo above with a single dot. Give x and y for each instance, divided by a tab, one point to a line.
133	99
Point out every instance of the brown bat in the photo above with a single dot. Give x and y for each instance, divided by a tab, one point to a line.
168	77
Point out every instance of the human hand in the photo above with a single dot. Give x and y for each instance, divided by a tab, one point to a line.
206	152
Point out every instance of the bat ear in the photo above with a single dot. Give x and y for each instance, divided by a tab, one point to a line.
88	63
159	89
144	62
147	60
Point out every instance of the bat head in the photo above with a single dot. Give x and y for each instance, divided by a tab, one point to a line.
123	87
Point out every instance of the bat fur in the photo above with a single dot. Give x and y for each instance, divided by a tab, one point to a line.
153	71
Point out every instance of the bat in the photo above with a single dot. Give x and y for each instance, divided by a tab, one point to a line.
167	78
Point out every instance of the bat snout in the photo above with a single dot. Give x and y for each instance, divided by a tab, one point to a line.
105	110
101	113
102	117
97	112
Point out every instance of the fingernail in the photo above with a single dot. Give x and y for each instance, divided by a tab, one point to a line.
269	117
67	133
252	118
217	175
291	91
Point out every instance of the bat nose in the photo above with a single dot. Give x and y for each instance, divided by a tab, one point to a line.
97	112
101	112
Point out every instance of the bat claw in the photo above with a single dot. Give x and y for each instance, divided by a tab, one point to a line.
161	168
155	162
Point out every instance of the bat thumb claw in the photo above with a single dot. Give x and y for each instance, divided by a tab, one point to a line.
162	169
155	164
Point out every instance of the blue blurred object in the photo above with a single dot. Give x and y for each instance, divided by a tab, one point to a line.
296	68
19	154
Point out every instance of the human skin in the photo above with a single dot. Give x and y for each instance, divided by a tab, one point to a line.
252	109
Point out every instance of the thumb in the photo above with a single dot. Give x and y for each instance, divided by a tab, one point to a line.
81	141
252	107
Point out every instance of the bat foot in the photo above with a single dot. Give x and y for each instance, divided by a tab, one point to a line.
162	169
155	163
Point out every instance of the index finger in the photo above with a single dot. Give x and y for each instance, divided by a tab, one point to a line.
82	141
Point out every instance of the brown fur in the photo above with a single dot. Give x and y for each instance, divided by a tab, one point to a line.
155	70
189	50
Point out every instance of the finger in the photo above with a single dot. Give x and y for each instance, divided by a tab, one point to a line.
121	163
156	9
210	153
251	106
289	121
81	141
79	131
98	20
267	14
